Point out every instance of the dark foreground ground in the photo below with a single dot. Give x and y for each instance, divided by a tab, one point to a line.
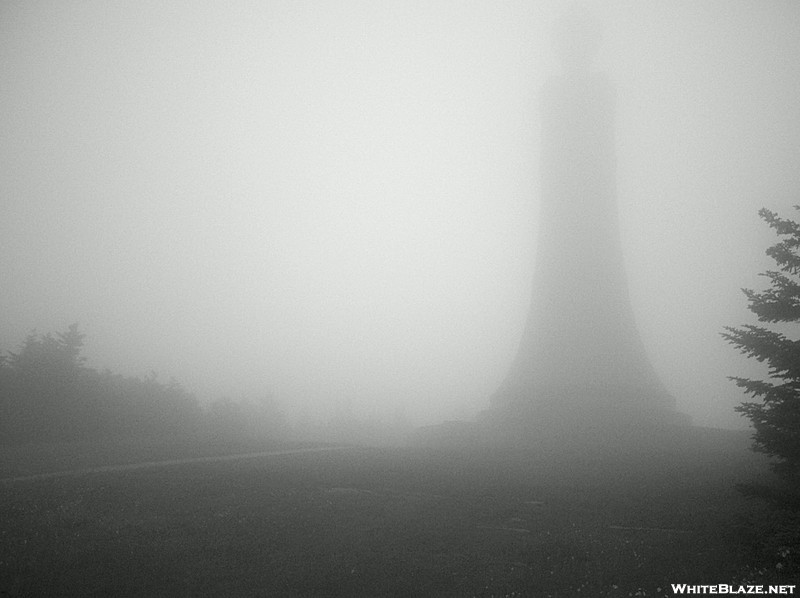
583	521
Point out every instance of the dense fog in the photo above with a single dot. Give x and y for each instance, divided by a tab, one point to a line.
336	203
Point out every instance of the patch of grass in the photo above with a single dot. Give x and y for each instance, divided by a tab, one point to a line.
380	522
25	460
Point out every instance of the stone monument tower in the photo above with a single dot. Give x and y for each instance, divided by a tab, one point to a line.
581	363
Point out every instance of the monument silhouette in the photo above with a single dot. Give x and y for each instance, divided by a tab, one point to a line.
581	363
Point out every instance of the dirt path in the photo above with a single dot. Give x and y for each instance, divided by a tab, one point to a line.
166	463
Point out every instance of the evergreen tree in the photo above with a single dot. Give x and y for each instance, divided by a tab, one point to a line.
776	416
47	394
70	344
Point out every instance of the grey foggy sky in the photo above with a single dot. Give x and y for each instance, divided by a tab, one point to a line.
337	201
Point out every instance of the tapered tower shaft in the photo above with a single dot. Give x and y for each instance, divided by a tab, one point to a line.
581	358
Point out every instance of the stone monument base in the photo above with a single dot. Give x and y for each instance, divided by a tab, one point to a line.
581	414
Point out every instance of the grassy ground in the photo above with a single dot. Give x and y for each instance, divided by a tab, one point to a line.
386	522
34	459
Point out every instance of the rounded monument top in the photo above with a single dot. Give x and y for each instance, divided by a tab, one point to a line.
577	36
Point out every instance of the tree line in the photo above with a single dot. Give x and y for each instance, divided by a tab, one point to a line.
48	394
